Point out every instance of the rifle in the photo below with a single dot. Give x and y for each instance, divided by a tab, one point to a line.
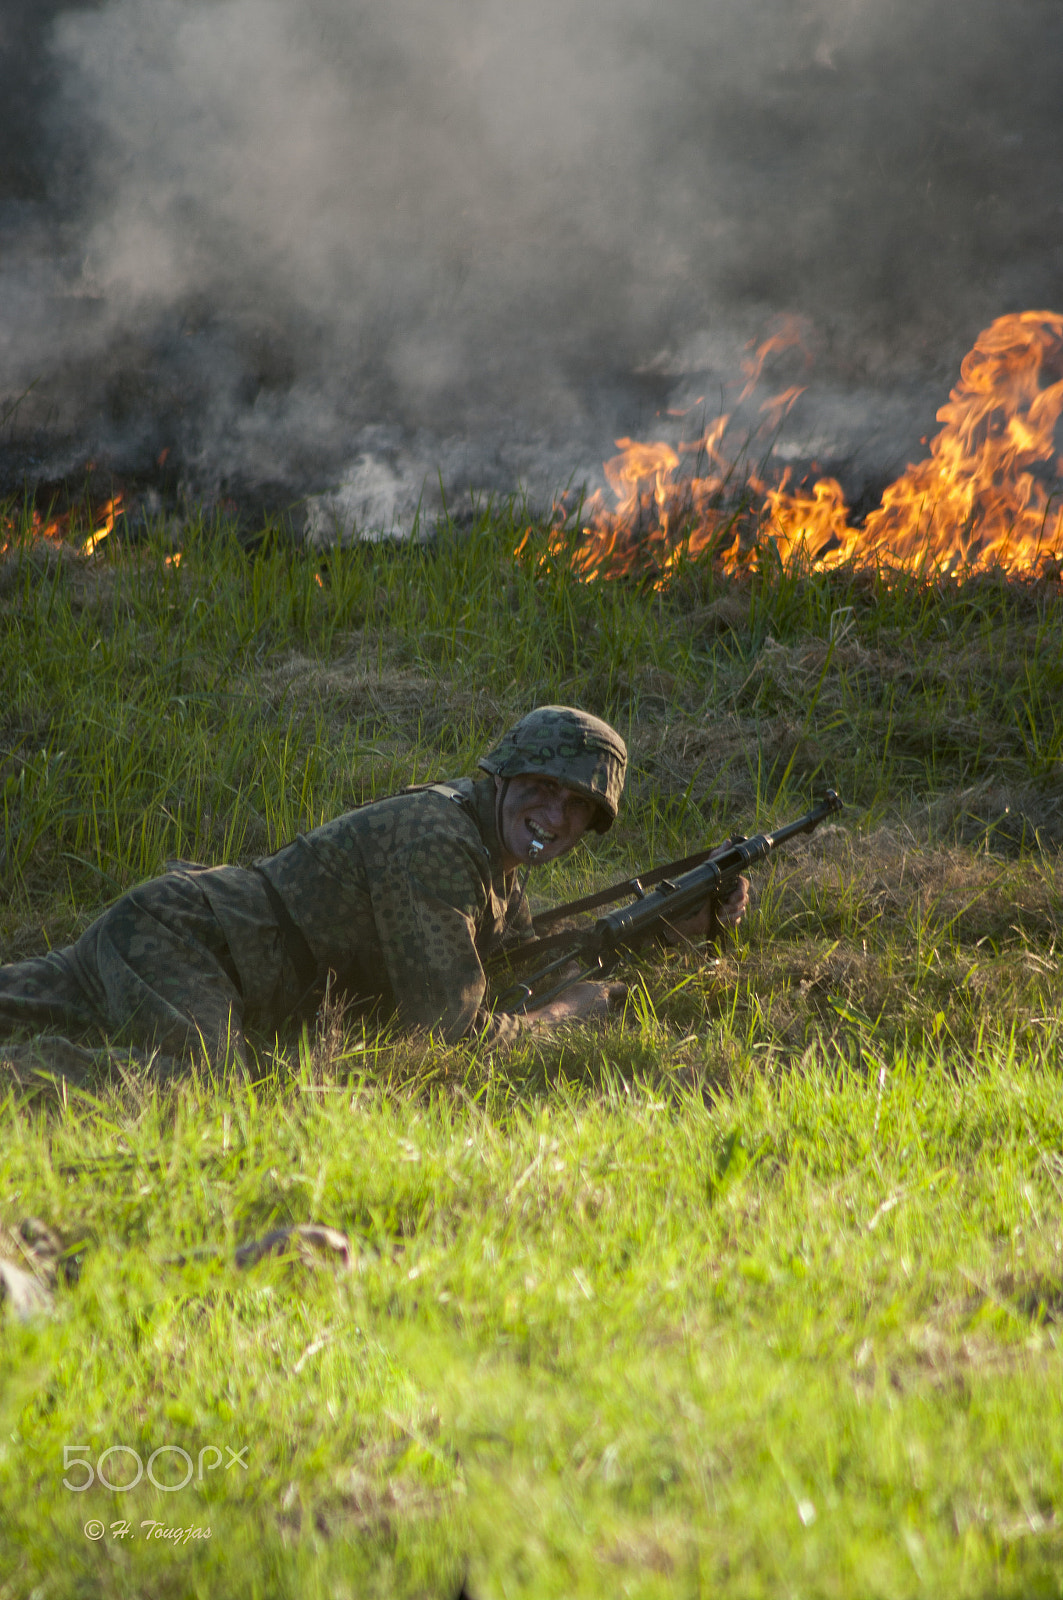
680	887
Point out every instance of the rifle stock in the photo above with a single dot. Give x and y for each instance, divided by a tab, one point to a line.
676	892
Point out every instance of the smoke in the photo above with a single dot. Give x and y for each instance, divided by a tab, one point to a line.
329	245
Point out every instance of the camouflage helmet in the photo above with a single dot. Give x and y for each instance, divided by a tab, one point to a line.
580	751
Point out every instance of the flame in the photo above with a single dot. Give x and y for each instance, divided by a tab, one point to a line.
988	495
790	331
107	514
62	529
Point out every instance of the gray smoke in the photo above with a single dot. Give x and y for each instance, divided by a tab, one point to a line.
334	245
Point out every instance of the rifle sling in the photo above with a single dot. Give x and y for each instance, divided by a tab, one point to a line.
509	955
630	886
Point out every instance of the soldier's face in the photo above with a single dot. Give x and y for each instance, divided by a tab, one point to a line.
540	819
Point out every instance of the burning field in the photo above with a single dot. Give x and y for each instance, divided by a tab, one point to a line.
989	496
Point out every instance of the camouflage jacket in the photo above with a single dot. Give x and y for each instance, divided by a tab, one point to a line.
401	899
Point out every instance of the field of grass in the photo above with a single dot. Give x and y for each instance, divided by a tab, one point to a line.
756	1291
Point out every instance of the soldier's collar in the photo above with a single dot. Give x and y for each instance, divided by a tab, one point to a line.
482	804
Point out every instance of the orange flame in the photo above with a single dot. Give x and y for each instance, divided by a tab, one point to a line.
988	495
790	332
61	529
106	515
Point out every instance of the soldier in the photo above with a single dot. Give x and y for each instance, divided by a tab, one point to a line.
399	901
395	904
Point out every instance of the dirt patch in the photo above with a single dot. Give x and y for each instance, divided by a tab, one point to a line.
392	703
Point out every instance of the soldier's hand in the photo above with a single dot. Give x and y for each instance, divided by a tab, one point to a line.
730	910
583	1002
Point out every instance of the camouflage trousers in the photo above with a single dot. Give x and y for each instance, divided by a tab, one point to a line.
155	969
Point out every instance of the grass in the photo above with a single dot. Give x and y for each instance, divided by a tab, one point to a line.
755	1292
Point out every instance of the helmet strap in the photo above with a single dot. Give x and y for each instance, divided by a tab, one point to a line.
500	795
522	883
